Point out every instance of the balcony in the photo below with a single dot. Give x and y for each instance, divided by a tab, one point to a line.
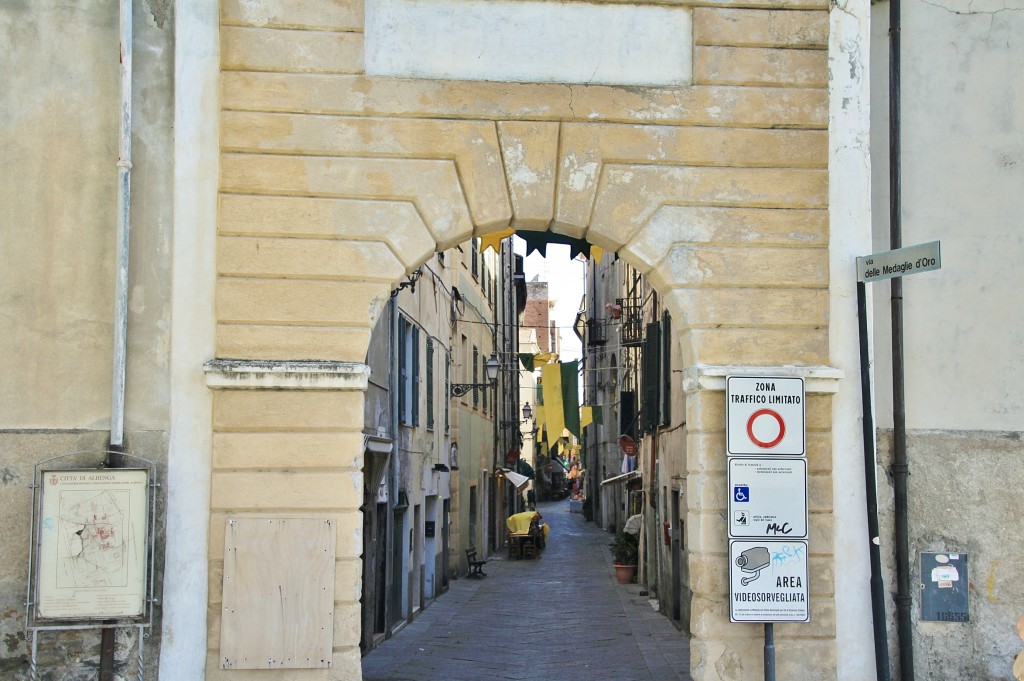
631	320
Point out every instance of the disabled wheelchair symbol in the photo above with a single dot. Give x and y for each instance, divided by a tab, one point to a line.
741	493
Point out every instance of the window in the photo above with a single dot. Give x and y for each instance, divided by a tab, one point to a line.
447	390
475	258
408	372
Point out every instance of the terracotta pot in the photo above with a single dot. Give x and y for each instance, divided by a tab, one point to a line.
625	573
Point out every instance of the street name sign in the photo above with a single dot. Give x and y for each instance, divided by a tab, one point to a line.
767	497
764	415
768	581
900	262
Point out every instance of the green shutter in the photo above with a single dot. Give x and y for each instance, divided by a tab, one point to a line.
651	379
476	376
627	413
447	390
415	396
430	384
666	369
403	369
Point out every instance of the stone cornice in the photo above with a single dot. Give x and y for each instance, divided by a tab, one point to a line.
285	375
817	379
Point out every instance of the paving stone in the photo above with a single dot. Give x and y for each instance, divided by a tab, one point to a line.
561	618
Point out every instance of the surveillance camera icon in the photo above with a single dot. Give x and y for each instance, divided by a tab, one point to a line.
753	560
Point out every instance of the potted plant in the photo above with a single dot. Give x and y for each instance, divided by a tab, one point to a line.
625	549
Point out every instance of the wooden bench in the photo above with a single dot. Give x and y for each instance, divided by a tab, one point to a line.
476	567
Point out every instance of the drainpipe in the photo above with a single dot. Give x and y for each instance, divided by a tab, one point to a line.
115	455
389	520
900	469
124	166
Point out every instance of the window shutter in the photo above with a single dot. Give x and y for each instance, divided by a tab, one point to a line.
666	369
650	411
476	376
403	370
627	413
483	391
447	390
415	396
430	383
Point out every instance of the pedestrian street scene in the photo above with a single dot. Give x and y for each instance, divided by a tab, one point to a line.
560	616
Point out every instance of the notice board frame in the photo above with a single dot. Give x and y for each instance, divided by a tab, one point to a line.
90	464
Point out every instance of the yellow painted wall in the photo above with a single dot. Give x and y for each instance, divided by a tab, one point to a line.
335	184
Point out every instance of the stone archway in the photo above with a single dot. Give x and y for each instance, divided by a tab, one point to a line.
335	185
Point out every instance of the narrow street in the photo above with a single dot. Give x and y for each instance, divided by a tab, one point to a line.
562	616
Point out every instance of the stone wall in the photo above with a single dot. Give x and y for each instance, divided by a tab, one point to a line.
59	72
334	184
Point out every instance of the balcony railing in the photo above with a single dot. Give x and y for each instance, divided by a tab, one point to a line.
631	320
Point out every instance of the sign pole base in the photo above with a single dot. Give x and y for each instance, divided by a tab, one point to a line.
769	652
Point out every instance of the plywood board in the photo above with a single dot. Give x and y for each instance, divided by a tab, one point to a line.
278	609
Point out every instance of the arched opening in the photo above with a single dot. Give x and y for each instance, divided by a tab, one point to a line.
335	187
429	395
309	276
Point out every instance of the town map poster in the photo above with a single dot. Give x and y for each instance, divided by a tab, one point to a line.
92	544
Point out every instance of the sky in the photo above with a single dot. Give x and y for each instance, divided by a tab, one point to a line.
565	279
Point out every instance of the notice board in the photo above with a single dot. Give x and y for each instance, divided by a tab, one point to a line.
93	543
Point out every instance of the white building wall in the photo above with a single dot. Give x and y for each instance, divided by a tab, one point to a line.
963	169
962	97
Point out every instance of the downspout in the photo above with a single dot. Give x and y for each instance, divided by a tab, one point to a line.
899	464
115	454
124	167
592	380
392	480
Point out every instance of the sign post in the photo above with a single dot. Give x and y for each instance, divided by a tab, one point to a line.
767	483
896	263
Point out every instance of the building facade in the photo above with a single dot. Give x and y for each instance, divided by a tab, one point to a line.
293	163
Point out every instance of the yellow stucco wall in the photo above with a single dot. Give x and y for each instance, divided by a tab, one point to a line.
335	184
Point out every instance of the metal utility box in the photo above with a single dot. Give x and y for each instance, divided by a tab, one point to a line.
944	587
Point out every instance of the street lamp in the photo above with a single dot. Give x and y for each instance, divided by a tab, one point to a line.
527	415
490	369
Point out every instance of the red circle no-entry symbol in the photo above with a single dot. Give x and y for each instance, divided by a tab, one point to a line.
762	441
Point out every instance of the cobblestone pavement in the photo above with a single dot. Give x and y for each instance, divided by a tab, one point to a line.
562	617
